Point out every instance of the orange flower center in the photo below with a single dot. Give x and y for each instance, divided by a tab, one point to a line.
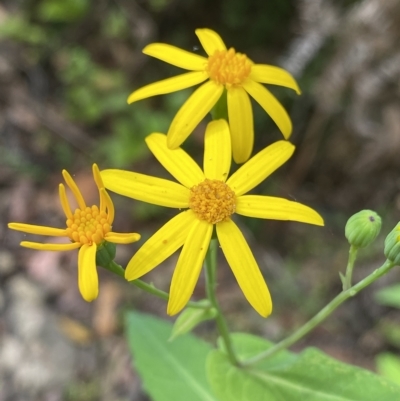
88	226
228	68
212	201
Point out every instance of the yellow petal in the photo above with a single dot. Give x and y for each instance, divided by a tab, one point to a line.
192	112
64	201
122	238
260	167
97	176
146	188
168	85
176	56
217	151
241	123
87	274
74	188
161	245
269	74
108	204
189	265
269	103
176	161
210	40
40	230
267	207
244	267
50	247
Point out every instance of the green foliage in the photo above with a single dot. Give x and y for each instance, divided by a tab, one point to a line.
388	365
191	318
62	11
389	296
309	376
170	371
20	29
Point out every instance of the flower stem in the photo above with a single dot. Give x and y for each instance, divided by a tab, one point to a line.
117	269
211	267
349	269
321	315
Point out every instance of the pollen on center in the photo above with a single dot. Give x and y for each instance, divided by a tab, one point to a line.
228	67
212	201
88	225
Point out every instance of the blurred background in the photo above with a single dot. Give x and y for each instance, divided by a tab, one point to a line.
66	70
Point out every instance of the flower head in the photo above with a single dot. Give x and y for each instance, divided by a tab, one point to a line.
222	69
88	228
211	198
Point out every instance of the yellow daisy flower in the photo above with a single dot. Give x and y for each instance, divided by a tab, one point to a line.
222	68
87	228
211	198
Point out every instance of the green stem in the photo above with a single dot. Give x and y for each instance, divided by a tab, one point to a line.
211	267
321	315
349	269
117	269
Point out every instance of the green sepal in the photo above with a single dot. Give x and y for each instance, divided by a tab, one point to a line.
362	228
220	110
105	254
192	317
392	245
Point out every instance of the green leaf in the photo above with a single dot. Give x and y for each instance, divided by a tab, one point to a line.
191	318
309	376
388	365
170	371
389	296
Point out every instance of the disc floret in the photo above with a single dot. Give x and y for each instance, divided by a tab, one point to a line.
212	201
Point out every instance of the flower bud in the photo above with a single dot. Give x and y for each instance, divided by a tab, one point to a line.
392	245
105	254
362	228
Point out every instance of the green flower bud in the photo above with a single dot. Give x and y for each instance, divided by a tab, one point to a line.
105	254
362	228
392	245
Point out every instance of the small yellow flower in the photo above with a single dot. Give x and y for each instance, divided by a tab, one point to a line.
223	69
87	229
212	198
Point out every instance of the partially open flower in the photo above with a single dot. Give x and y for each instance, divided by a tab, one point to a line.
392	245
88	228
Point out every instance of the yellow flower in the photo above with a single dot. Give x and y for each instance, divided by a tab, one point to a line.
87	228
223	69
212	198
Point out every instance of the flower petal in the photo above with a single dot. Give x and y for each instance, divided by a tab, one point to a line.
241	123
271	105
192	112
74	188
161	245
87	273
50	247
189	265
267	207
244	267
64	202
40	230
210	41
260	167
146	188
168	85
217	150
121	238
107	204
176	56
269	74
176	161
